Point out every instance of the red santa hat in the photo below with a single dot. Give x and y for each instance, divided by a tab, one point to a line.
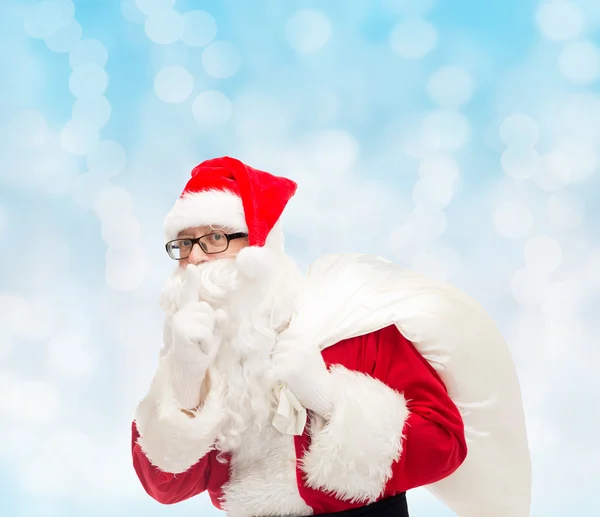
226	192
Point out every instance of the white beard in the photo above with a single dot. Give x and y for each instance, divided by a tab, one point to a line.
256	314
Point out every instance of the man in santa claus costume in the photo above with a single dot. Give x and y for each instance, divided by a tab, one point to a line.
280	394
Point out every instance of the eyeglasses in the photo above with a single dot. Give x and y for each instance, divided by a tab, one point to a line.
212	243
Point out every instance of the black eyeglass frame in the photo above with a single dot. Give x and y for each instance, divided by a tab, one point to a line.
228	236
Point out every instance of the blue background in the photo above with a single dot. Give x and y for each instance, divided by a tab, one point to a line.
459	138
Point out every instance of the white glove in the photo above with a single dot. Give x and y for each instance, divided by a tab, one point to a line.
196	334
299	365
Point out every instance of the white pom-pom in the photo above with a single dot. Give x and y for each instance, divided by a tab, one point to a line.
257	263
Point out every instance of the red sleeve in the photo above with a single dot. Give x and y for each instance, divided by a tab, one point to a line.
166	488
434	443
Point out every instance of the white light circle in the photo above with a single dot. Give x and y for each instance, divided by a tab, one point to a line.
87	187
430	192
152	7
563	299
427	223
125	268
543	254
554	172
199	28
513	219
36	402
78	138
413	38
450	86
566	209
107	158
121	233
446	130
580	115
45	18
443	168
409	7
88	81
519	130
86	52
56	170
68	355
164	27
173	84
591	9
333	151
560	20
131	12
581	156
221	59
579	62
308	30
113	203
28	129
529	287
212	109
93	112
520	162
65	39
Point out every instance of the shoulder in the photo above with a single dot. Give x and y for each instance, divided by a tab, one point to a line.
381	353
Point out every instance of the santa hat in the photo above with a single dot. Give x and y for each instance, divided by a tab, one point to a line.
226	192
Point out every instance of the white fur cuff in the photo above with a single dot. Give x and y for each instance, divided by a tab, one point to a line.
351	455
172	440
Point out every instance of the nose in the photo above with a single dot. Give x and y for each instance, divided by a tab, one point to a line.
197	256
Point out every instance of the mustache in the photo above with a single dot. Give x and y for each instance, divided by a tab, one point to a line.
211	281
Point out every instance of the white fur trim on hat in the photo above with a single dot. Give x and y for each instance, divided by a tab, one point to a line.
218	207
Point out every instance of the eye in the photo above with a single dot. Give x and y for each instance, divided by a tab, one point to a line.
186	243
217	237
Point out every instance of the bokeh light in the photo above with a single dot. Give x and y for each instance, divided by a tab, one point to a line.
199	28
580	62
154	7
221	59
107	158
173	84
86	52
560	20
88	81
450	86
212	109
45	18
65	39
513	219
543	254
308	30
413	38
566	209
165	27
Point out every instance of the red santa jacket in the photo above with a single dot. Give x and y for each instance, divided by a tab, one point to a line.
393	428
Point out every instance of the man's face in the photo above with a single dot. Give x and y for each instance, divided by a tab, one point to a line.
212	240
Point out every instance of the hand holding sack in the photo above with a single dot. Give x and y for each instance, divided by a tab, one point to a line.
304	382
